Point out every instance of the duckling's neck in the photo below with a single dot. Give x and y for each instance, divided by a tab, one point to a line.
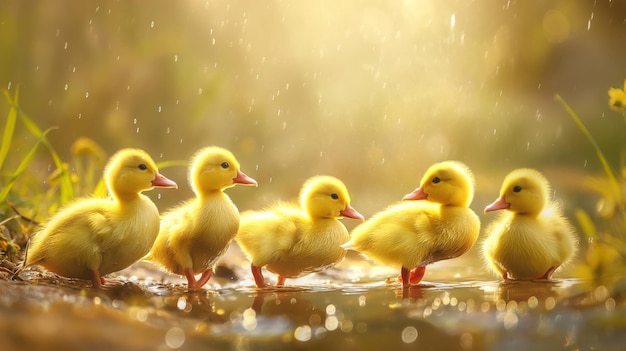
210	194
126	197
526	215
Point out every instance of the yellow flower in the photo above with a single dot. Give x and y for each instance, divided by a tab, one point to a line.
617	98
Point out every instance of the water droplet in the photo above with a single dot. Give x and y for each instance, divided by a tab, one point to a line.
302	333
152	24
167	131
213	41
331	323
175	58
249	321
181	303
409	335
66	86
159	109
65	46
134	120
175	337
86	95
452	21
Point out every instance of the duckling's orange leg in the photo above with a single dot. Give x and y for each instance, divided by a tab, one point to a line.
548	274
204	278
191	279
96	280
258	276
280	281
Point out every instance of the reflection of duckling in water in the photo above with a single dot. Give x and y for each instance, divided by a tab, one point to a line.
413	234
94	237
293	305
531	239
524	290
195	234
292	241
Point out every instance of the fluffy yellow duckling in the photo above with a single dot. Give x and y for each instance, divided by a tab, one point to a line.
195	234
413	234
94	237
292	241
531	239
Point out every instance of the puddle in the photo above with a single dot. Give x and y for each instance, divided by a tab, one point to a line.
316	313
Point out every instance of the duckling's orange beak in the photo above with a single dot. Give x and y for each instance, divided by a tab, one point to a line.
499	204
161	182
243	179
350	212
417	194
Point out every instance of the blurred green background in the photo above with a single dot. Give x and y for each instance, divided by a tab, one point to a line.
370	91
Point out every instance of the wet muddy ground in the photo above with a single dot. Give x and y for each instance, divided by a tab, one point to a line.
351	307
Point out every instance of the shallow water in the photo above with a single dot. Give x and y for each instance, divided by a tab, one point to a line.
347	308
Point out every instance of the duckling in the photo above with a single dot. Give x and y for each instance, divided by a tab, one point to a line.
93	237
413	234
531	239
293	241
196	233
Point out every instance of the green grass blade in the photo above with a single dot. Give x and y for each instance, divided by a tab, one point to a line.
22	167
9	128
66	187
610	172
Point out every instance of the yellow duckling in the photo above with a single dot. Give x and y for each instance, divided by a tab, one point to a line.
531	239
292	241
413	234
195	234
94	237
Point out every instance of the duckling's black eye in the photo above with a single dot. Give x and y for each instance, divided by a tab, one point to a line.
436	180
334	196
517	189
142	167
225	165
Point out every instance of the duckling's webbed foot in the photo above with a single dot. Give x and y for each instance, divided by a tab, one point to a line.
412	277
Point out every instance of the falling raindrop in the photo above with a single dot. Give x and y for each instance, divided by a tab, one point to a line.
175	58
167	131
159	109
134	120
86	95
152	24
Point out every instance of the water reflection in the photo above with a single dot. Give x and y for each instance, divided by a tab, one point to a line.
471	315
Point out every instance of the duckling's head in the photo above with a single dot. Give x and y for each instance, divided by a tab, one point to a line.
327	197
131	171
448	183
214	169
524	191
